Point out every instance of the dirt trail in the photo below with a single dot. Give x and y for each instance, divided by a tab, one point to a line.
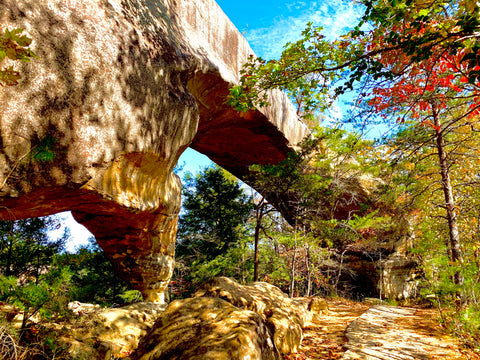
350	330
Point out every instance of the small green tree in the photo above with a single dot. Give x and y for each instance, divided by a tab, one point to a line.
215	208
47	297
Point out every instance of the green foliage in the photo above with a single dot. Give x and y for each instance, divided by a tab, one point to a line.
320	181
131	296
47	297
212	231
44	152
94	278
25	248
330	192
215	208
14	46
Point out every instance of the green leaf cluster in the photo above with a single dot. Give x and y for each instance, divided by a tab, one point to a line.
14	46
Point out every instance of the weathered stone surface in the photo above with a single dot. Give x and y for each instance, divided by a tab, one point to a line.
118	93
94	332
399	277
207	328
392	333
110	331
285	316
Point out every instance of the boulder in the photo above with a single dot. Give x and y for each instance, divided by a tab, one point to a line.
103	333
281	313
208	328
317	305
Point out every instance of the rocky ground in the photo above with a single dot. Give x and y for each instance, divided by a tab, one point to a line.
339	329
349	330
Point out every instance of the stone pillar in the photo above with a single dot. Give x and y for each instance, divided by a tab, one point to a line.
140	244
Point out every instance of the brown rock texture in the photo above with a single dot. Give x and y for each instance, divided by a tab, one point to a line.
207	329
282	314
121	89
102	333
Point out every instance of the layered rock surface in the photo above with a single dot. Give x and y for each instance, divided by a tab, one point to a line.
208	328
121	89
106	333
227	320
282	314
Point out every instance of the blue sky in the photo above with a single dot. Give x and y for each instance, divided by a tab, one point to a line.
267	25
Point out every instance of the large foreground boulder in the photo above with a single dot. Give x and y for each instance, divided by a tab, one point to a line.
208	328
281	313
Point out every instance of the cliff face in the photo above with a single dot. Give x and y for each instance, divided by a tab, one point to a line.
121	89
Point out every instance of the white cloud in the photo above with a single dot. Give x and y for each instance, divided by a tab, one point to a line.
335	16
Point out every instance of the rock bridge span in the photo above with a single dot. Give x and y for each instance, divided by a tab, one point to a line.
121	89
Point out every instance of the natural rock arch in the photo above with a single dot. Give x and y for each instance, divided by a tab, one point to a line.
121	89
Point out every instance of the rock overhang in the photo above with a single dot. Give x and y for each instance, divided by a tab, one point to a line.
121	89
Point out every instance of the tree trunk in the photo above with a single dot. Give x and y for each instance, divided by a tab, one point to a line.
309	272
292	273
339	271
8	268
255	256
455	249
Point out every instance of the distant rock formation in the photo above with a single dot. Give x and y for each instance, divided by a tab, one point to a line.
121	89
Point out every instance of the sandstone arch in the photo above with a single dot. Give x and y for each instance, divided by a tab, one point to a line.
123	87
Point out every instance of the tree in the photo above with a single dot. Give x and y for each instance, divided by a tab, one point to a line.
94	279
215	207
420	60
48	296
25	247
335	197
212	229
261	211
320	69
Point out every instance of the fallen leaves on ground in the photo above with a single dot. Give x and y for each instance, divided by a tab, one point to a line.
325	337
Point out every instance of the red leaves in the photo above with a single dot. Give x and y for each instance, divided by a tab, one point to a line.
431	125
437	79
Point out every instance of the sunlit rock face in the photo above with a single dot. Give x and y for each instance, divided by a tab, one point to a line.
284	316
208	328
227	320
400	277
97	124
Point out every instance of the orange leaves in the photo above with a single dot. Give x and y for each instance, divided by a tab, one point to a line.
431	125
